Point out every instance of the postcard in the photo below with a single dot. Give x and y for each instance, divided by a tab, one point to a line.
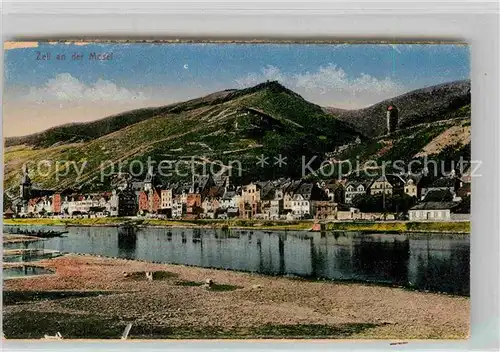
236	190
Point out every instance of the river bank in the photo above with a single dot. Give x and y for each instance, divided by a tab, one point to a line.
462	227
95	297
9	239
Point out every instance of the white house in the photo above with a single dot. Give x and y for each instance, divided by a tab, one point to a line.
300	206
98	204
287	201
210	206
230	199
166	199
176	208
77	204
183	197
114	203
40	205
276	206
354	189
431	211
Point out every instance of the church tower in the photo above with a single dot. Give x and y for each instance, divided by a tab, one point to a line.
148	181
25	185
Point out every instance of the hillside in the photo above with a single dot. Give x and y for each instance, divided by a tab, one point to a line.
81	132
424	105
442	141
232	127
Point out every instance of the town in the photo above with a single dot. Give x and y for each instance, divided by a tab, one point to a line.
414	197
232	189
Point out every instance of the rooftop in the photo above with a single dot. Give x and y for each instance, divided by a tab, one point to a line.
434	206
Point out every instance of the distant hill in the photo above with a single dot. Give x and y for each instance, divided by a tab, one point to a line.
267	119
85	131
424	105
234	128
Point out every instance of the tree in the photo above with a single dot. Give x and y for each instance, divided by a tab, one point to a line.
439	196
398	203
464	206
368	203
401	203
7	202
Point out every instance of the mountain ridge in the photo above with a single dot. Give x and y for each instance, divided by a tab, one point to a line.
267	120
421	105
112	123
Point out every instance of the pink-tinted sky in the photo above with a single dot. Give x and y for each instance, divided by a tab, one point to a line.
43	90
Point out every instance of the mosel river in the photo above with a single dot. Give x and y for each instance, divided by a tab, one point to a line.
434	262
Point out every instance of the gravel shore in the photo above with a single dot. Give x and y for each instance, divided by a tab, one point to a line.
106	294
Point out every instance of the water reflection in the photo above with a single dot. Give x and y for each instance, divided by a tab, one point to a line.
24	270
127	242
436	272
29	256
431	262
382	259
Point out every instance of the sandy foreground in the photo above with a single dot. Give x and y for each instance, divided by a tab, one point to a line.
106	294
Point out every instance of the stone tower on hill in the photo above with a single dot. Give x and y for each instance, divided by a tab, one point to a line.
392	118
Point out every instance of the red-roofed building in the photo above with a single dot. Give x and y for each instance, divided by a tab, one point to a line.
56	203
150	201
143	201
8	214
193	204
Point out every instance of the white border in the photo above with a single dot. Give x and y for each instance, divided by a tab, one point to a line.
474	22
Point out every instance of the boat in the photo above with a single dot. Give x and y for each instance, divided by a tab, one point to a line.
39	233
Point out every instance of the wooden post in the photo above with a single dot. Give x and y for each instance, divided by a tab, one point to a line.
126	331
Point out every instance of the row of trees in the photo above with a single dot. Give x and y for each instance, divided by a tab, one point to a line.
398	203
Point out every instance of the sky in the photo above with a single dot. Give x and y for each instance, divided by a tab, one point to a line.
44	89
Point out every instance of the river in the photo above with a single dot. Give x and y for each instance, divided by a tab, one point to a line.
434	262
